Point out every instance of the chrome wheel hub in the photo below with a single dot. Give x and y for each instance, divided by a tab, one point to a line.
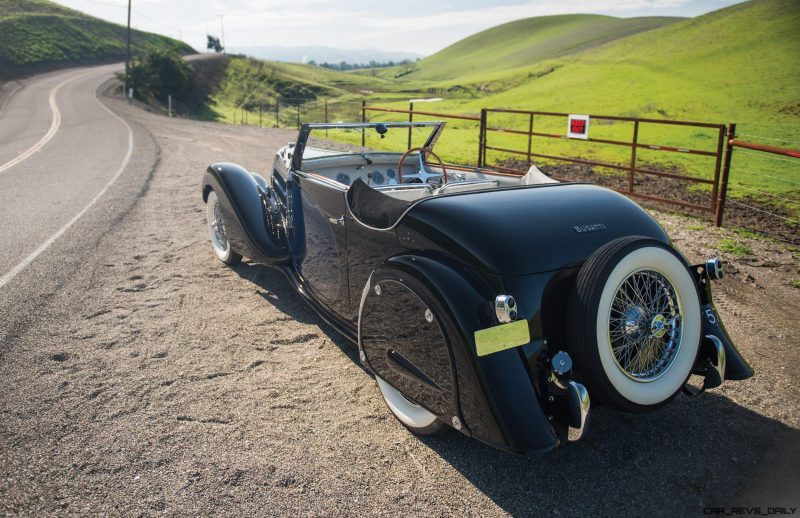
645	325
658	327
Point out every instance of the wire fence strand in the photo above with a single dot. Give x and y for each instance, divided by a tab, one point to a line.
740	186
733	170
769	138
735	202
764	155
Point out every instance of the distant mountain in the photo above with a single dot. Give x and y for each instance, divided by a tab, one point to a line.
323	54
37	35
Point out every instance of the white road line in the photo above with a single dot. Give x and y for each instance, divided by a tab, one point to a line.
51	132
8	98
44	246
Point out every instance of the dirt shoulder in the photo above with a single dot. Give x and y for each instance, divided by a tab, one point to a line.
159	381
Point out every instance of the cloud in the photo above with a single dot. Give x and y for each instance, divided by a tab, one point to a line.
491	16
414	25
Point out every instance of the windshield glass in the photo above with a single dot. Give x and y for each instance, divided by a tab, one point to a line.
393	137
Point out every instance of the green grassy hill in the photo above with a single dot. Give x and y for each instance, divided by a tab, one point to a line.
251	84
526	42
738	64
38	33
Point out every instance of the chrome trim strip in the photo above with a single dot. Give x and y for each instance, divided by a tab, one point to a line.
321	180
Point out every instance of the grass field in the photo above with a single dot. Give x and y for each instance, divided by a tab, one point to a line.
36	32
737	64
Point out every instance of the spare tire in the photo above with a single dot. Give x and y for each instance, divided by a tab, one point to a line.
634	323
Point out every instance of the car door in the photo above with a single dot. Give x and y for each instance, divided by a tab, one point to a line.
319	246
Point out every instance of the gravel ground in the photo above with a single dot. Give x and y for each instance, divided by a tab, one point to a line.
157	381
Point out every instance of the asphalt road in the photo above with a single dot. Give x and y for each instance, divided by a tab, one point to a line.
62	158
140	376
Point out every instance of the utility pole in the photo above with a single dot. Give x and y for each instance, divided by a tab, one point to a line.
128	58
222	28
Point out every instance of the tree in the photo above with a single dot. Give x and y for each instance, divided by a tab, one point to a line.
158	74
213	43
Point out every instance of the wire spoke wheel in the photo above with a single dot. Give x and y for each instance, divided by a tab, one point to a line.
635	323
216	231
217	225
645	325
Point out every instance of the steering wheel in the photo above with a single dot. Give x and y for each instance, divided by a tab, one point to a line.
423	175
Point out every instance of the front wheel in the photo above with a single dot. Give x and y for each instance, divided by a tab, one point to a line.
412	415
634	323
216	230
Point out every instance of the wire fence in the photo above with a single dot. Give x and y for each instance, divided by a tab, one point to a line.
764	179
290	112
770	178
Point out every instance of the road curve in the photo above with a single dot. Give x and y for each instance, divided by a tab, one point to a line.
69	166
140	376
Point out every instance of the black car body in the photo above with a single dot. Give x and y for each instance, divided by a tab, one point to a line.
472	294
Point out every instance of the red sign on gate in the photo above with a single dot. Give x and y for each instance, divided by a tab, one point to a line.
578	126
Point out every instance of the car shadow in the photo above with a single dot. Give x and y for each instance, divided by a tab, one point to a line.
692	454
275	289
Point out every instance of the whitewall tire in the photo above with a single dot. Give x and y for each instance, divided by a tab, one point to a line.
635	323
216	231
412	415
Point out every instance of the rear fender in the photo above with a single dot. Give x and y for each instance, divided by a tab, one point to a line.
736	367
496	399
252	222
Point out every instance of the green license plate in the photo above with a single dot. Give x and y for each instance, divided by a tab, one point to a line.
502	337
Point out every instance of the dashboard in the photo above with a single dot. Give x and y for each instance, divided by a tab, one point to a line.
370	176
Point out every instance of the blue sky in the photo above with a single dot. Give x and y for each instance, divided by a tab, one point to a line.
408	25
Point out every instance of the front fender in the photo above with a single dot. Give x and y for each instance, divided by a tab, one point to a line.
251	222
496	398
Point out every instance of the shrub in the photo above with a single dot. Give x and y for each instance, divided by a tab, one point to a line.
159	73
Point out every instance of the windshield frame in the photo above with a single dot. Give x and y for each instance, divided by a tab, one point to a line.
306	128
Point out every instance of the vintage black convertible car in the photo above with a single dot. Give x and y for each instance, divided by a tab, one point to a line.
489	302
